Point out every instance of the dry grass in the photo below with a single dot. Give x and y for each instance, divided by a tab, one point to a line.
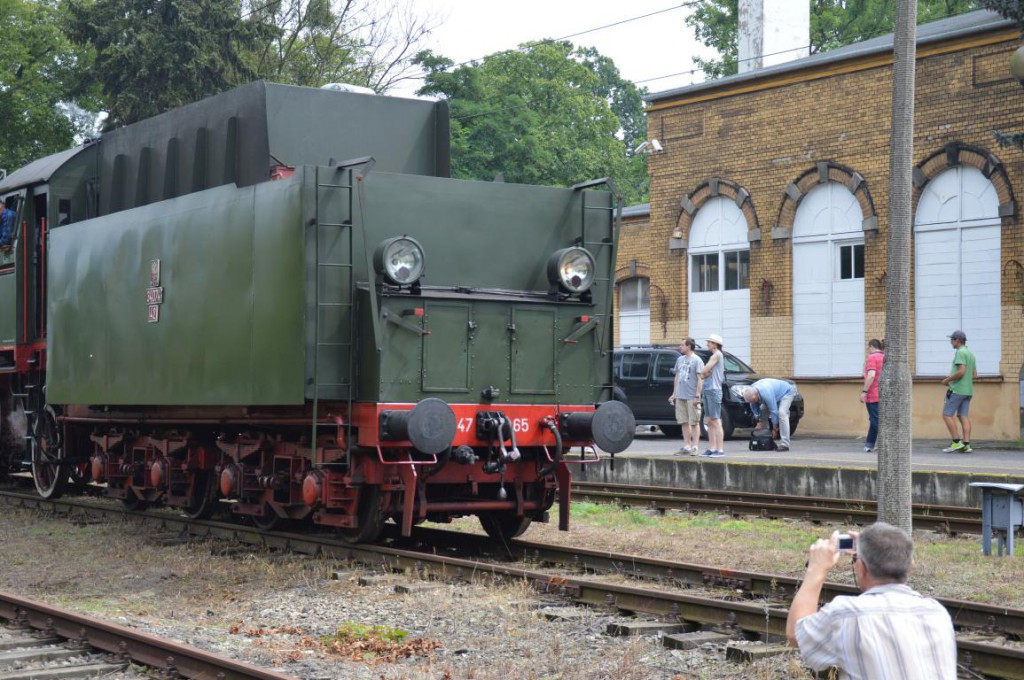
952	567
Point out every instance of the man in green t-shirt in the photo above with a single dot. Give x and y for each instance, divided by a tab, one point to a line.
958	396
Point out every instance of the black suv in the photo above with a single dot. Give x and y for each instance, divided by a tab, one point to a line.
644	377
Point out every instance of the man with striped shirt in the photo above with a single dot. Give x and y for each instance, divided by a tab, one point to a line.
888	631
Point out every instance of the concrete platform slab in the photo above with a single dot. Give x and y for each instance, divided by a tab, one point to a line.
815	466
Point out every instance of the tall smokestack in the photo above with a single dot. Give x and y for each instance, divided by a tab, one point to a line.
773	32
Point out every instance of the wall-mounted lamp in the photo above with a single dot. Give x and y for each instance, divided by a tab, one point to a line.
677	232
648	147
1017	65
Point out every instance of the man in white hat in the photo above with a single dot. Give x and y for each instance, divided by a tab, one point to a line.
711	397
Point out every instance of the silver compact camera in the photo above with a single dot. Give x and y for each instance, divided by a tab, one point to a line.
846	543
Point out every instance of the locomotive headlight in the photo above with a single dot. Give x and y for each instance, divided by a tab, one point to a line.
573	269
399	260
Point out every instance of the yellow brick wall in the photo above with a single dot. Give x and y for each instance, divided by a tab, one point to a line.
762	140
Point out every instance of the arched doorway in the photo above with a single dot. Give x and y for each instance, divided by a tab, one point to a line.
828	283
957	257
719	285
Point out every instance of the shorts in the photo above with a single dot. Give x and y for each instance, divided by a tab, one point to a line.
687	412
956	404
712	400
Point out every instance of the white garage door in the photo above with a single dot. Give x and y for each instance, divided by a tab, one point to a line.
828	284
719	283
956	264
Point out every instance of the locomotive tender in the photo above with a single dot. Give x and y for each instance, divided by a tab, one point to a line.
276	300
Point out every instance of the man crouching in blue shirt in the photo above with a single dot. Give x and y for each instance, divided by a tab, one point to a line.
889	631
777	396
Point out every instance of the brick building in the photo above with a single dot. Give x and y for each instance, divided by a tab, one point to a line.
768	216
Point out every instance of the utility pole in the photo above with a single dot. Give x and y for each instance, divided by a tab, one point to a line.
895	385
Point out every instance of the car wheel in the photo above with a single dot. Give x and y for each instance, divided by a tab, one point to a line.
672	431
727	426
793	422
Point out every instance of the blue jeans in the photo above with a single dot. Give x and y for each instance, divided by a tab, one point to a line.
873	424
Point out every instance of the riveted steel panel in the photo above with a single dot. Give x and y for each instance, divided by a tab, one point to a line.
396	373
446	347
491	347
231	266
533	351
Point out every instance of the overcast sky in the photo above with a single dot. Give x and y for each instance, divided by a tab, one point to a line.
644	49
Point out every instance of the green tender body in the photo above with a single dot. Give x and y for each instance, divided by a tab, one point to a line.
260	283
230	325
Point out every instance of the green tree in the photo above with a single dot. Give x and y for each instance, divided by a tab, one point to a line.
37	64
1013	10
834	23
360	42
548	113
155	55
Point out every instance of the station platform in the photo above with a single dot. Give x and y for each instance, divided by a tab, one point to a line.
814	466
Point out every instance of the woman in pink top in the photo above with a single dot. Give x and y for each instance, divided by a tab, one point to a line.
869	395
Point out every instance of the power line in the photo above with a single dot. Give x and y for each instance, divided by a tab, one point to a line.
536	43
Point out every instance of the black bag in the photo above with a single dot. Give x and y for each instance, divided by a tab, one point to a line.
761	440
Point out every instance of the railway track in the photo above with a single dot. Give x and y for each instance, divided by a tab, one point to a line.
755	604
87	647
946	518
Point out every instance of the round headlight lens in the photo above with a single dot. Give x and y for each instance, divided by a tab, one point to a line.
573	269
399	260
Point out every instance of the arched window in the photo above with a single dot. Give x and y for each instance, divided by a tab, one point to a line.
828	283
956	270
720	275
635	311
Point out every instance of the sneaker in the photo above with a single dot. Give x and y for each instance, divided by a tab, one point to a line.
953	447
966	448
716	454
685	451
708	453
868	449
780	447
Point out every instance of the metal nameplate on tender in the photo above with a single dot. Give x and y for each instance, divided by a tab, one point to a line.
154	296
154	313
154	272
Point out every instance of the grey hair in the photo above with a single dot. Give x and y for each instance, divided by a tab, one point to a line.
749	393
886	551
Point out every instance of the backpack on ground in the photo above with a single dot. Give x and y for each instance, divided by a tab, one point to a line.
761	440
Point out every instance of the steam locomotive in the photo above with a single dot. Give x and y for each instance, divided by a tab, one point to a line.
276	302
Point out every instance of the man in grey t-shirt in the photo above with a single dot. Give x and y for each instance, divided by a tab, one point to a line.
686	395
714	375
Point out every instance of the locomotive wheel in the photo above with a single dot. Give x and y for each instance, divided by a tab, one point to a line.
370	514
269	520
504	525
133	502
48	472
204	502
